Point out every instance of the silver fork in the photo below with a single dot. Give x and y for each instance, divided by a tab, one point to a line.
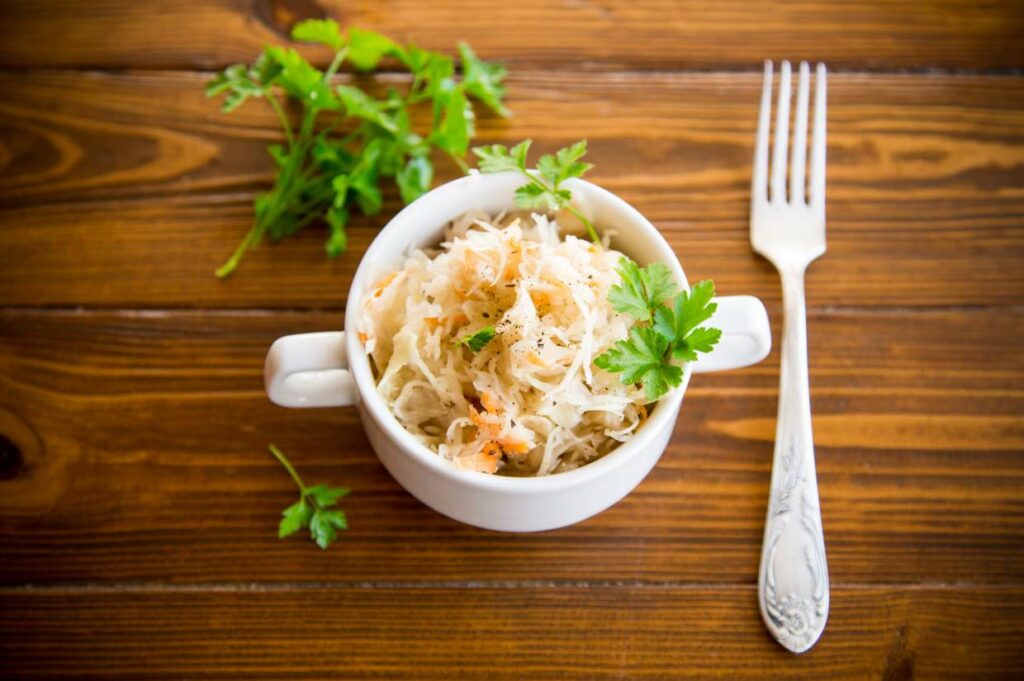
790	232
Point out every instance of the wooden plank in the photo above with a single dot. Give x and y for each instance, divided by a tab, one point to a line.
660	34
105	175
554	632
142	440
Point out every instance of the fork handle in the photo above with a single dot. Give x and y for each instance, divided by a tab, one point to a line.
793	580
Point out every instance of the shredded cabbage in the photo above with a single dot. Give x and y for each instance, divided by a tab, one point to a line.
530	402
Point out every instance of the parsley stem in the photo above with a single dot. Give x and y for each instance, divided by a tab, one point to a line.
306	220
289	135
279	455
282	195
463	166
586	223
534	180
571	208
250	240
335	64
308	119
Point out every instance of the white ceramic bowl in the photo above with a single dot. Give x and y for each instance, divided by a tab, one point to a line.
333	369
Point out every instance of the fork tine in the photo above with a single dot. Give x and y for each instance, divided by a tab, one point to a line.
759	187
798	154
817	199
781	137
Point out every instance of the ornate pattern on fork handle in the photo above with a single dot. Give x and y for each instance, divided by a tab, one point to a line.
796	618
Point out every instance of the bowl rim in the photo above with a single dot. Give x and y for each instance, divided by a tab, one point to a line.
405	222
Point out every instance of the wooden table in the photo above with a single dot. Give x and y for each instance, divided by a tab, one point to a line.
137	501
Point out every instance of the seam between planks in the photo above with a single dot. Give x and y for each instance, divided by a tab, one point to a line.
280	587
164	312
585	68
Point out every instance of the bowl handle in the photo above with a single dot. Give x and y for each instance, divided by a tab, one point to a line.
746	335
309	370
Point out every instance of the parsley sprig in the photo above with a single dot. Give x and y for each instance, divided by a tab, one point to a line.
347	141
313	509
544	187
668	327
478	340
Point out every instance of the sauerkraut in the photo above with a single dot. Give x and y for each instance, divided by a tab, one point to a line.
531	401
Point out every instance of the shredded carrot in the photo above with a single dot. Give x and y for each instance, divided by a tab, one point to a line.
490	402
475	416
363	337
458	288
490	455
512	264
384	284
484	422
514	445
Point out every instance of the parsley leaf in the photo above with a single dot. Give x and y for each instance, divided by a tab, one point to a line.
699	340
532	196
366	48
669	327
543	189
327	496
642	291
323	31
358	104
337	242
295	518
345	142
301	80
324	526
478	340
483	80
565	163
414	178
689	310
456	126
641	359
241	82
313	509
498	158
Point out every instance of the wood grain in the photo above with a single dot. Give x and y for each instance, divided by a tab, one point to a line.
106	174
578	35
555	632
143	436
137	501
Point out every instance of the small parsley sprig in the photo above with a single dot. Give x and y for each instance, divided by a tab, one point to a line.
668	327
544	189
313	509
478	340
347	141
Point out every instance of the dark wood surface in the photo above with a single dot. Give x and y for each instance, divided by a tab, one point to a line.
924	184
532	631
137	504
573	35
143	436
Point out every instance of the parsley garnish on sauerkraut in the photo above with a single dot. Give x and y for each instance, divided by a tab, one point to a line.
500	350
